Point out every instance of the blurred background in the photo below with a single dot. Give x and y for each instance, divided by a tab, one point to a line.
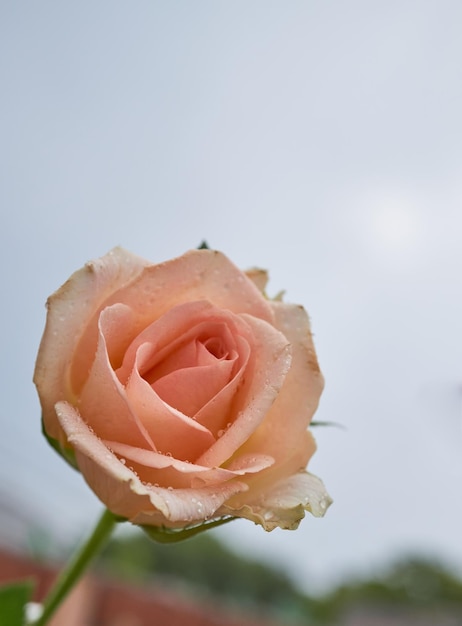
319	140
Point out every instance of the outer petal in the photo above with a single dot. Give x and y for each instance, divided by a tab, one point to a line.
284	505
70	310
197	275
259	277
281	431
161	470
120	489
291	446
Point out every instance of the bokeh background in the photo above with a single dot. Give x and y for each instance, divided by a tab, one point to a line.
320	140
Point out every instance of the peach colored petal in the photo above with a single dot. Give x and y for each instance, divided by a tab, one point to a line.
205	342
294	461
263	381
103	401
259	277
177	326
124	493
188	506
197	275
70	310
150	467
113	483
285	503
170	430
249	463
190	389
166	336
215	415
299	395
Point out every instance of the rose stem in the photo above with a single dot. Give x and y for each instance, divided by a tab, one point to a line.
76	566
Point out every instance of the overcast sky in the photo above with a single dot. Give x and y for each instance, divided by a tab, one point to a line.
319	140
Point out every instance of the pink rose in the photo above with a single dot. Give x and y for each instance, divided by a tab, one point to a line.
181	392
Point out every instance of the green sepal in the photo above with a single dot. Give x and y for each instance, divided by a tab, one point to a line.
13	600
321	423
68	454
162	534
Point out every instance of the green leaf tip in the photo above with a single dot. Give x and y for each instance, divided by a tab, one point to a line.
13	600
322	423
203	245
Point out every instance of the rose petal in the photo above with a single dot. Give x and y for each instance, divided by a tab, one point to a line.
284	505
299	395
178	326
171	431
150	467
70	310
189	389
215	415
103	400
259	277
263	380
196	275
181	507
123	492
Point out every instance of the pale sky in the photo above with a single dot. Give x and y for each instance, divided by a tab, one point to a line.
319	140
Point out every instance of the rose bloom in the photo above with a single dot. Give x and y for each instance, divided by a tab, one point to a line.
181	392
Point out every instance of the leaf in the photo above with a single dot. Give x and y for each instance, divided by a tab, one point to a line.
162	534
13	599
333	424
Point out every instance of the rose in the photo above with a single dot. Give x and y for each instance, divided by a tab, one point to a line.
181	392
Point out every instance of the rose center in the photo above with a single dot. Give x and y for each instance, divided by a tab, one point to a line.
196	369
216	348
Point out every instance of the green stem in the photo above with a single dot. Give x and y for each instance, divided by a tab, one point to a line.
76	566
